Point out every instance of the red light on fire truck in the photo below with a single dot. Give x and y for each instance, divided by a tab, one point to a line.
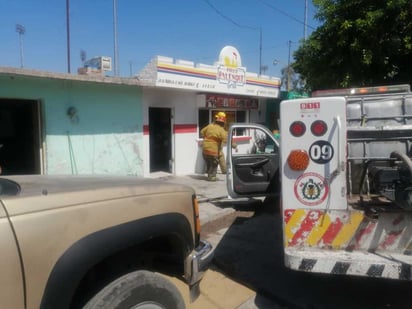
361	91
319	128
297	128
298	160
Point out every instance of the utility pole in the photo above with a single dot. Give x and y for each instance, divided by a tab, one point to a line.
288	85
260	52
305	24
21	30
68	34
116	52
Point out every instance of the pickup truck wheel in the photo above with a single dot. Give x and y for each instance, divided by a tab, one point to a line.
138	290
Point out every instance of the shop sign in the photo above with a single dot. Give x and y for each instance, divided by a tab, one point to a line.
229	71
222	101
227	76
231	77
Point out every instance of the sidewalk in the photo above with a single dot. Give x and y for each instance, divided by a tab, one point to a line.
206	191
217	291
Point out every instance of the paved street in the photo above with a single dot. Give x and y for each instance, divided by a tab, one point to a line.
248	273
218	289
218	215
248	270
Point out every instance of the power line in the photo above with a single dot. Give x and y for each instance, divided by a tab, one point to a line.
245	52
240	26
285	14
232	21
228	18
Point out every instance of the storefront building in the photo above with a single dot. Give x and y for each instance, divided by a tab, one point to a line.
179	98
54	123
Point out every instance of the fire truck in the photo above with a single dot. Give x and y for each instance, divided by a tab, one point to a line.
343	171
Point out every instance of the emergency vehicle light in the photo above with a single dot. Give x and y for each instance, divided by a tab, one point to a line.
361	91
318	128
298	160
297	128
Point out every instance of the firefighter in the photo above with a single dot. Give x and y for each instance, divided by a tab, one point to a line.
214	136
222	162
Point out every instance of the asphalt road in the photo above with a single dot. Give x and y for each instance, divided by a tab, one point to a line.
248	271
250	253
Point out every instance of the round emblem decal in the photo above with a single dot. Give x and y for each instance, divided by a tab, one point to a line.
311	189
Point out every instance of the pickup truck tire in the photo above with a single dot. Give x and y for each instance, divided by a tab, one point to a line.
138	290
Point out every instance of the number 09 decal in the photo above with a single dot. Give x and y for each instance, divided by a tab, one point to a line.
321	152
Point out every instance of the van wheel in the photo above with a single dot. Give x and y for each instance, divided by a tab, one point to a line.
138	290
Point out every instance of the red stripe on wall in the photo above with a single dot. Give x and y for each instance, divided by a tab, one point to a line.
185	128
146	129
177	128
241	138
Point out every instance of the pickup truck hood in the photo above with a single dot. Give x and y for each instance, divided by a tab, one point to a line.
30	193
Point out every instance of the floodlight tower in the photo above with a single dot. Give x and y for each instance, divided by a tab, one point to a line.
21	30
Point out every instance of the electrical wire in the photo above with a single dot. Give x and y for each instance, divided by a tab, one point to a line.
284	13
228	18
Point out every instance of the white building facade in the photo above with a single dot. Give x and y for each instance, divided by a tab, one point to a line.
179	98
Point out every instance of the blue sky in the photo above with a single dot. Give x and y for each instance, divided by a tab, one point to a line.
194	30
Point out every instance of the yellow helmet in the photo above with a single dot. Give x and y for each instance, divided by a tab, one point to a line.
220	116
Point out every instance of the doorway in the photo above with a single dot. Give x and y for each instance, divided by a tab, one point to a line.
160	139
19	137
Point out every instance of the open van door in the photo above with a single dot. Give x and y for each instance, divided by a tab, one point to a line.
252	169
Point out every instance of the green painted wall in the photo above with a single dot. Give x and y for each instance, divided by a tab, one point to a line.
273	111
103	136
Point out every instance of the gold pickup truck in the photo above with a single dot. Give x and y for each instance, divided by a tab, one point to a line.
98	242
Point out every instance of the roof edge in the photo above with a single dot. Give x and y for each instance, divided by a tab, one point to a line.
10	71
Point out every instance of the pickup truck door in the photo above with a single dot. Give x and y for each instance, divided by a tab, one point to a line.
252	169
11	282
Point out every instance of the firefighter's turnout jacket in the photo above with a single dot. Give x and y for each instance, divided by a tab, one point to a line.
214	136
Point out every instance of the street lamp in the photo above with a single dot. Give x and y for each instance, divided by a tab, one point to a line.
21	30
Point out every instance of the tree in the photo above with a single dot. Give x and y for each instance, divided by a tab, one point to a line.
360	43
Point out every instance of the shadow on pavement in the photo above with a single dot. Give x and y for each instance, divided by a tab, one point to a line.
251	253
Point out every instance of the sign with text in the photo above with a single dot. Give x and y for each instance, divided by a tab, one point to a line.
227	76
221	101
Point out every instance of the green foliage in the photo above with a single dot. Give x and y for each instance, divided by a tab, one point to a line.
360	43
